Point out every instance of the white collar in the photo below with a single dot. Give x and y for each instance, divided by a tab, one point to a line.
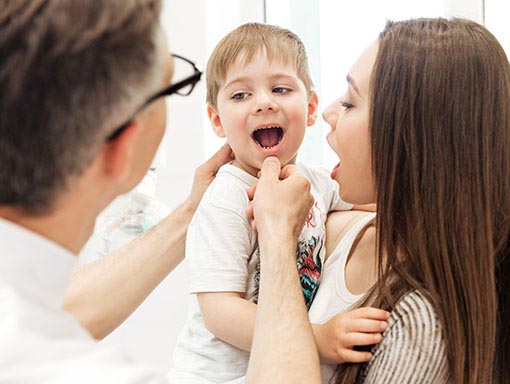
34	264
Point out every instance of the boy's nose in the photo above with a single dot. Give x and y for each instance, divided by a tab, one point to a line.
265	103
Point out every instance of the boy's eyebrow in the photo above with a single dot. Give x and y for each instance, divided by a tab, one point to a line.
351	81
241	79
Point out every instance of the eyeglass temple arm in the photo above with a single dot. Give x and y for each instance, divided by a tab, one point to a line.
193	79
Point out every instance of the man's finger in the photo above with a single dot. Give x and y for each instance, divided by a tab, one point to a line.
270	169
287	171
251	191
249	211
222	156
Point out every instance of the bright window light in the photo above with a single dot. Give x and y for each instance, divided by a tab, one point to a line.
335	33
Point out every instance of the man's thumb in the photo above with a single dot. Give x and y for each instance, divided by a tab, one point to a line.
270	169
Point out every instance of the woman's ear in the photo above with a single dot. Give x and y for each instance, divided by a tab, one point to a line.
313	108
215	120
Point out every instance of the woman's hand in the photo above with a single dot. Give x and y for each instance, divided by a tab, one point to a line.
337	337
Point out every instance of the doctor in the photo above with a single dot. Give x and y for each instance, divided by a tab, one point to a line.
81	116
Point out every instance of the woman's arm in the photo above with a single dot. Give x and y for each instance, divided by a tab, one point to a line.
412	349
104	293
283	349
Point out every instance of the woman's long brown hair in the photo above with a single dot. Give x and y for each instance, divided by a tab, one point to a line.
440	145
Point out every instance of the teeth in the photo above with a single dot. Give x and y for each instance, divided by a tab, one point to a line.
255	135
268	127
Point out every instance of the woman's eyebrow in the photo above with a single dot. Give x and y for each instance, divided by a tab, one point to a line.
351	81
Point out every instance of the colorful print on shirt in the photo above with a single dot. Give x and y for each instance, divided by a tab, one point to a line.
309	266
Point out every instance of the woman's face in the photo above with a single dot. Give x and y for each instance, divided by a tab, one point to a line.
350	136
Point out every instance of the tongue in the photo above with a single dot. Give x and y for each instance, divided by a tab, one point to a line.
267	137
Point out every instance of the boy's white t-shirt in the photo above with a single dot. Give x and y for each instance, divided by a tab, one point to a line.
222	255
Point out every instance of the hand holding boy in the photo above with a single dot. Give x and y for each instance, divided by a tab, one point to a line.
281	199
206	173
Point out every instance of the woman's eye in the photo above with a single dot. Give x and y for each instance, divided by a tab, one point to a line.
281	90
346	105
239	95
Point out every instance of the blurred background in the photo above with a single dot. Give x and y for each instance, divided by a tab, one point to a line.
335	32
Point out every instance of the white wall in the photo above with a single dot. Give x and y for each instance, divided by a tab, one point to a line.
496	19
193	27
335	33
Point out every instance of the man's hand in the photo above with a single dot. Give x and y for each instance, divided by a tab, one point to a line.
205	174
337	337
283	338
281	200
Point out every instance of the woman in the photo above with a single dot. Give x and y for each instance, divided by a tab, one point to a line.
423	131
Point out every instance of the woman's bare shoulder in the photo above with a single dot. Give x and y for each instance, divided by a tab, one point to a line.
338	224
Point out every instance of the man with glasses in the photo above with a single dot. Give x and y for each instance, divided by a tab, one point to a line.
81	116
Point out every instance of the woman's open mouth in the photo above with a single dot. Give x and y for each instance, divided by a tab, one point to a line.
333	172
268	137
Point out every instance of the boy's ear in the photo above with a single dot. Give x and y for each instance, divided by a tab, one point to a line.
119	152
313	108
215	120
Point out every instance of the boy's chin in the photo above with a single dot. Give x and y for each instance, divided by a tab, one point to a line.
283	160
254	167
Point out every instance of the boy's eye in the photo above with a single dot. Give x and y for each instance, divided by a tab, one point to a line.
346	105
240	95
280	90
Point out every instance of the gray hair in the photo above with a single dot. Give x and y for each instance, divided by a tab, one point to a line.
70	73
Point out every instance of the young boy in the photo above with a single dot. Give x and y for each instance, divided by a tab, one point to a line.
260	97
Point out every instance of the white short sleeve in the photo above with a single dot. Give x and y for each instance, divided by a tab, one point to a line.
220	241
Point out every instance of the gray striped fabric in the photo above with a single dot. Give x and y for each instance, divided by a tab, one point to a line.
412	350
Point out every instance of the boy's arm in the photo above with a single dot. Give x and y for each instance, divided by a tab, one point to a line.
337	337
220	242
229	317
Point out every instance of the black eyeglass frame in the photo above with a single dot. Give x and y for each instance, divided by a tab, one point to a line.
170	90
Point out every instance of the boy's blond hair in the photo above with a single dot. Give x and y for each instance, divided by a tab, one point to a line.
248	40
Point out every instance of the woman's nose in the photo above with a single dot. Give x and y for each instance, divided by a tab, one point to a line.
329	116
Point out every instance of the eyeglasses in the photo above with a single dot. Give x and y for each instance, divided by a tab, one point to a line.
187	75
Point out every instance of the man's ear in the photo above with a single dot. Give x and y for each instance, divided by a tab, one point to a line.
118	153
313	108
215	120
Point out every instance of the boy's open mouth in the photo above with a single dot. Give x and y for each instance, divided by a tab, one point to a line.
268	137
